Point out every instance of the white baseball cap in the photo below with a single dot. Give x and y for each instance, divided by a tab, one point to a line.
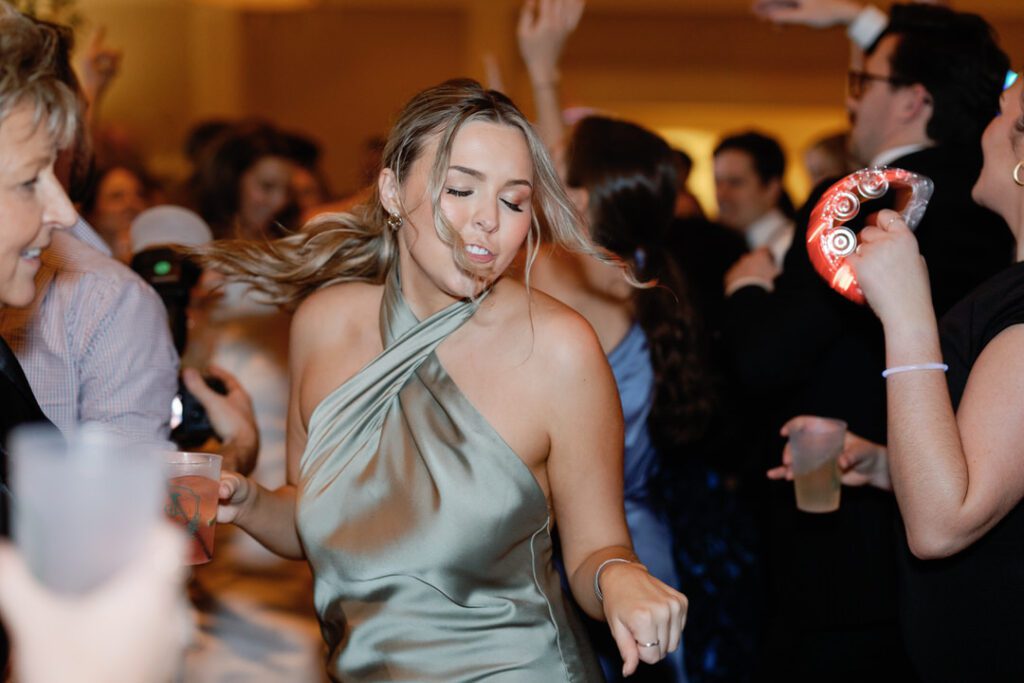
168	225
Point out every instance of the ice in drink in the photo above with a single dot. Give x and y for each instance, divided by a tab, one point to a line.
192	503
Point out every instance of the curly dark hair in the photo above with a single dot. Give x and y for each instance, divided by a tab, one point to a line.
630	175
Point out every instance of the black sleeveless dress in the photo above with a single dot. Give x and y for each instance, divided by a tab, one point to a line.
963	616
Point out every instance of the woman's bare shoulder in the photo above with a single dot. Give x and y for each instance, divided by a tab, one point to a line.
335	314
561	338
565	369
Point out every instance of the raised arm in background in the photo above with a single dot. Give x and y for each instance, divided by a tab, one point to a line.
544	26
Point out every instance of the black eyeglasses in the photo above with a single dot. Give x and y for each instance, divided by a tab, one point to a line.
856	80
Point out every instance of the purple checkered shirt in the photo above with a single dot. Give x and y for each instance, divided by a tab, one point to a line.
95	344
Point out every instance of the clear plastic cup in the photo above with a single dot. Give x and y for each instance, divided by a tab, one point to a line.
815	446
192	483
82	504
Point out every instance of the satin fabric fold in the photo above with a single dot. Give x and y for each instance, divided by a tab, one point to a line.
428	536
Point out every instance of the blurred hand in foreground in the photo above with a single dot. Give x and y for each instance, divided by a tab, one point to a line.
132	629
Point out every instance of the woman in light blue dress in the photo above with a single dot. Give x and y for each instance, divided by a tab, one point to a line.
622	178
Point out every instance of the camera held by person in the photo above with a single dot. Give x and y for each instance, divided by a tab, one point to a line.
211	405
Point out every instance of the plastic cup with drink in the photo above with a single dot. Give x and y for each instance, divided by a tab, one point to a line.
82	504
192	483
815	444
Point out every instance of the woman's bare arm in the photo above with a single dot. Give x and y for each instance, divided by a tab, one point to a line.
954	476
585	475
544	26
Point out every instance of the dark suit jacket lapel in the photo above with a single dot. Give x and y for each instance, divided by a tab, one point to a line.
12	375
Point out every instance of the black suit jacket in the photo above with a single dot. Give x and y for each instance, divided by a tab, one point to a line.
804	340
806	349
18	407
704	252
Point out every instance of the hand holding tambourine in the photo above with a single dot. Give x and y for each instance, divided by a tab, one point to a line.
830	244
892	274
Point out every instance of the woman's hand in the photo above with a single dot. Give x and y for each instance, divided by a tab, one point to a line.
646	617
892	273
237	494
861	463
231	416
99	66
544	26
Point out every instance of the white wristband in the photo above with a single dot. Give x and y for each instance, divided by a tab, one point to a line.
911	368
597	575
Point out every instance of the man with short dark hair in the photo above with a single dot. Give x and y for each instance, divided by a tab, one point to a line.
748	186
929	86
934	74
925	92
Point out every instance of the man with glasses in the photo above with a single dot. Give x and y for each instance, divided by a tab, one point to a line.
922	96
929	86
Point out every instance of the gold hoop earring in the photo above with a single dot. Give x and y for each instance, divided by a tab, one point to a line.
394	221
1016	173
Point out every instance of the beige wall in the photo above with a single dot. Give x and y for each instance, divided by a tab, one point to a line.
341	74
339	69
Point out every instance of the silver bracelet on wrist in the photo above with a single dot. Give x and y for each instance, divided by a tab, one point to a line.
597	575
912	368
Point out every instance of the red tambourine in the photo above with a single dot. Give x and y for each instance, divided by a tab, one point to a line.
829	243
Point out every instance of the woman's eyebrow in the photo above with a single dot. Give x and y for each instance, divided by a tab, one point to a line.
479	175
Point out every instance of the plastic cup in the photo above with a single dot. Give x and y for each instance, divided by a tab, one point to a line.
192	483
82	505
815	447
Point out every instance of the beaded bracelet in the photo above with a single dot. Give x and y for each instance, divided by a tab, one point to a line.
917	366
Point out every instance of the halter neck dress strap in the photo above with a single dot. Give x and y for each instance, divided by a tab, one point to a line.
428	536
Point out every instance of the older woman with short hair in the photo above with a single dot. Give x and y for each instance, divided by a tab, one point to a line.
38	115
125	630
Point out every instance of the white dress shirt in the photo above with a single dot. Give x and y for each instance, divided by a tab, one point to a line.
773	231
888	156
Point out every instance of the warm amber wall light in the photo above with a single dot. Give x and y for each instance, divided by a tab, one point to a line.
260	4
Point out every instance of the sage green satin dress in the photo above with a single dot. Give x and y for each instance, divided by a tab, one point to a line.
428	536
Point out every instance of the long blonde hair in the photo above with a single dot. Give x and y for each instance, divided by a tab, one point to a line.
358	246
